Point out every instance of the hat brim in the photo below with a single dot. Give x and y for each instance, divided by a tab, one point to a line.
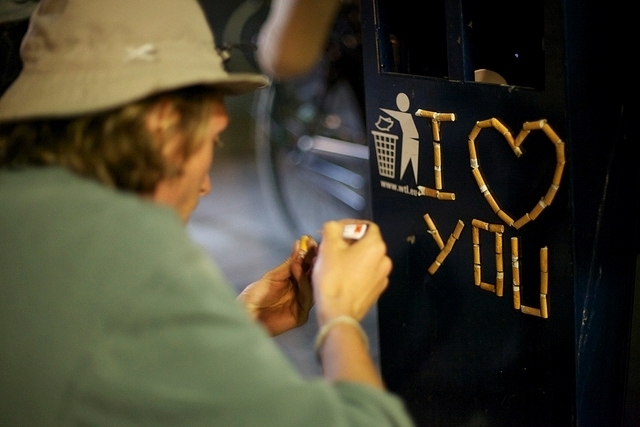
96	91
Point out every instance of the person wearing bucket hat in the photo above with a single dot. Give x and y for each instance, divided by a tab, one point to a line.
109	313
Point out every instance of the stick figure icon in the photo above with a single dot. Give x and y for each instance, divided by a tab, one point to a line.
410	137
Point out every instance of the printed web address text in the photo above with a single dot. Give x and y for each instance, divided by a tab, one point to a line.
404	189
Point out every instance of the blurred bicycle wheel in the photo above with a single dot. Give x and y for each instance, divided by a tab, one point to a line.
310	142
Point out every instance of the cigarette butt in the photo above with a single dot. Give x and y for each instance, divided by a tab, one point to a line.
515	271
560	152
473	155
475	131
433	230
437	160
458	230
544	282
499	243
429	221
537	209
516	150
480	224
442	195
516	298
434	267
500	283
514	248
524	219
476	253
499	263
497	124
551	193
496	228
479	179
435	127
484	123
544	308
444	117
544	271
531	311
487	286
551	134
445	251
557	175
437	153
492	202
520	137
506	218
537	124
426	191
477	274
544	259
304	246
436	194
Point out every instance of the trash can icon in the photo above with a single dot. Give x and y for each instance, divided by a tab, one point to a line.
385	144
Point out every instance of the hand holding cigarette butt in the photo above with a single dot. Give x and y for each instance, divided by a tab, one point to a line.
350	270
282	298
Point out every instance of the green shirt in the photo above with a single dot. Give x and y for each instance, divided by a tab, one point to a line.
111	316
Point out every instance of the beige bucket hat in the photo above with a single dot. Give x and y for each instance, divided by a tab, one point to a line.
85	56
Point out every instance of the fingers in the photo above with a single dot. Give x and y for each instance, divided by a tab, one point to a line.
350	273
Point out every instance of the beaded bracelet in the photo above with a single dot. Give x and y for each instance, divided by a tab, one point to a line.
322	333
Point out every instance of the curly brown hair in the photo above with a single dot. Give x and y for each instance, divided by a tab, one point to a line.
113	147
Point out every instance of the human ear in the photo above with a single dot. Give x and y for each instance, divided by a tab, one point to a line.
162	117
161	122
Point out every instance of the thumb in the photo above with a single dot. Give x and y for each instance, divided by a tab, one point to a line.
332	234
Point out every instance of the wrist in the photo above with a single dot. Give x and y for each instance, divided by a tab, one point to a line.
326	328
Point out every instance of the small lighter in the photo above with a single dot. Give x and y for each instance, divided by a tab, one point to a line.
354	231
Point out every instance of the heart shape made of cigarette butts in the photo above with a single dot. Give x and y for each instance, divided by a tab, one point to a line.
515	143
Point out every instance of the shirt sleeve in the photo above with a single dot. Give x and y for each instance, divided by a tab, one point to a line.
178	350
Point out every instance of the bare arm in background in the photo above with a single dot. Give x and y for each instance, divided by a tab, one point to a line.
294	35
